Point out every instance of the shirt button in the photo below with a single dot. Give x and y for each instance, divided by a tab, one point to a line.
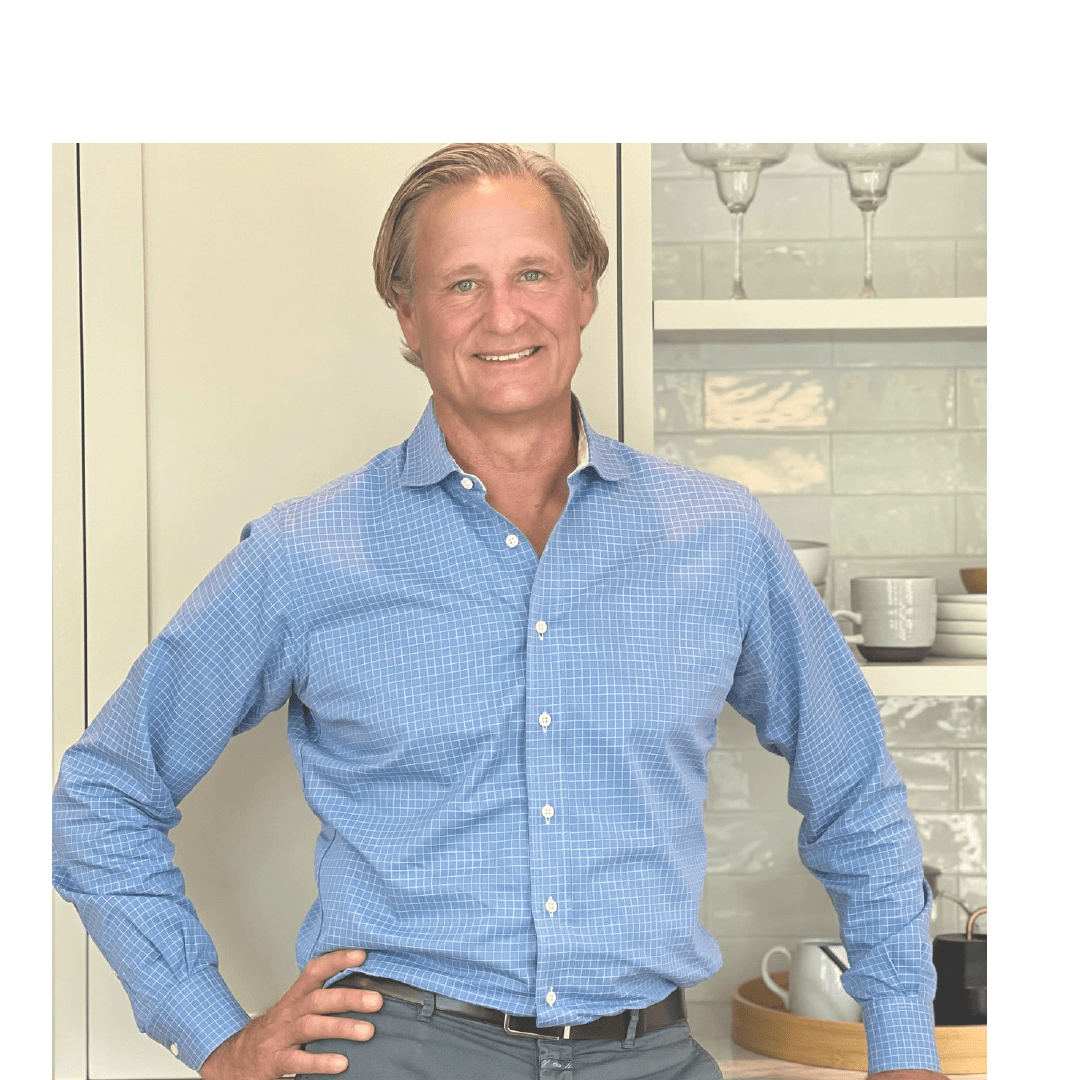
548	811
466	483
545	720
511	541
541	628
550	906
550	998
175	1050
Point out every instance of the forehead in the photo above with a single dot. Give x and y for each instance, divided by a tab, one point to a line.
491	216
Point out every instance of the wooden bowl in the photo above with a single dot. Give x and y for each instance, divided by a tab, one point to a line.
759	1022
974	579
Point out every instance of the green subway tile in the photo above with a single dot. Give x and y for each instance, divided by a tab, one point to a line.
930	776
766	464
769	400
908	463
677	272
678	401
925	721
893	525
971	398
876	399
971	524
972	779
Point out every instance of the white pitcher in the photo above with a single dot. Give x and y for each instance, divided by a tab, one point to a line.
814	981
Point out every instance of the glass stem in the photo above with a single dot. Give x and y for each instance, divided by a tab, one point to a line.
868	260
737	286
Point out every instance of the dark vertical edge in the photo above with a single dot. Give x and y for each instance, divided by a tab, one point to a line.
618	283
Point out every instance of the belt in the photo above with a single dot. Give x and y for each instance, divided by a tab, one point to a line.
660	1015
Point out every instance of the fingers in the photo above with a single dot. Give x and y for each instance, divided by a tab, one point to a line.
314	1027
317	1028
342	999
298	1062
320	968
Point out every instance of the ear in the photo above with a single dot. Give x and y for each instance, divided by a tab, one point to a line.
587	299
406	316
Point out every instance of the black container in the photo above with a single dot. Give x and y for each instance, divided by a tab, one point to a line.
960	960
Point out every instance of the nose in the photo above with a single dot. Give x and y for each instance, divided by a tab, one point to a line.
503	313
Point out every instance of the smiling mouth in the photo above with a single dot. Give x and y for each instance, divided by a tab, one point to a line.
502	358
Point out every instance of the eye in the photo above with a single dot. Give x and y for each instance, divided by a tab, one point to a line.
533	275
465	286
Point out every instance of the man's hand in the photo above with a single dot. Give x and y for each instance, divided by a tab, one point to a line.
269	1047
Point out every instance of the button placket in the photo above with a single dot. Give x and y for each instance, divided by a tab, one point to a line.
549	857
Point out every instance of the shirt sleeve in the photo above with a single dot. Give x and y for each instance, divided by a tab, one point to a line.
799	684
228	657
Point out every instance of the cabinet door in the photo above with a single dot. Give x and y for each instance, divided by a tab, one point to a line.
236	354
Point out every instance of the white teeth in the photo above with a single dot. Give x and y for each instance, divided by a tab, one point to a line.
508	356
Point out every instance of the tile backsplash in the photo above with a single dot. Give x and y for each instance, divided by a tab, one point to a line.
874	442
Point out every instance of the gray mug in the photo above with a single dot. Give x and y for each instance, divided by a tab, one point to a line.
896	617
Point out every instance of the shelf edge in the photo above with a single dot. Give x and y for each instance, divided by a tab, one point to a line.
961	679
907	313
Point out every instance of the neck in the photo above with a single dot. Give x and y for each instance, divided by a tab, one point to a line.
523	462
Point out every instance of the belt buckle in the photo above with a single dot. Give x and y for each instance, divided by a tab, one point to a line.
533	1034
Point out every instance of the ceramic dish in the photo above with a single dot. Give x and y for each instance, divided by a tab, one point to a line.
974	579
813	556
960	626
963	597
967	646
949	609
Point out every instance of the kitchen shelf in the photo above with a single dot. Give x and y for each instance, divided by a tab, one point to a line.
935	676
919	313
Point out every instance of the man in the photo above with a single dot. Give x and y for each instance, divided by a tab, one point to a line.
504	644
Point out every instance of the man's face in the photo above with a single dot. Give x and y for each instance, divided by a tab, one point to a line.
497	309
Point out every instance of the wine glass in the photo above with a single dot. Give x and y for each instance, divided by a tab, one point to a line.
868	167
737	167
976	151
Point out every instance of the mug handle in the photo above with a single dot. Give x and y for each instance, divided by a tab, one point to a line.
856	618
771	983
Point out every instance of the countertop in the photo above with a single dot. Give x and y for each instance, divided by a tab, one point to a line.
710	1024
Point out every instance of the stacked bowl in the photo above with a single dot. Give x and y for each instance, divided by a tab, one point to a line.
813	556
961	626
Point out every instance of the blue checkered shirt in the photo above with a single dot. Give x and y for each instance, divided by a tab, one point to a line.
507	753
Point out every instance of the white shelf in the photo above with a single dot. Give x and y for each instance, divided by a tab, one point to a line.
961	312
933	677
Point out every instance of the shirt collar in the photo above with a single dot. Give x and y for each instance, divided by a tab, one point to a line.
427	461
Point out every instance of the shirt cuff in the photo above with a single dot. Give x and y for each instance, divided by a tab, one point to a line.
199	1016
900	1033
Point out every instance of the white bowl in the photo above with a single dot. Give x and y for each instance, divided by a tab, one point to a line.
967	646
960	626
950	609
813	556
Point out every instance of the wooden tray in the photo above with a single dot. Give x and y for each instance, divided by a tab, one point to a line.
759	1022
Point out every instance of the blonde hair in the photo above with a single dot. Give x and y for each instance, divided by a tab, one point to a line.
462	163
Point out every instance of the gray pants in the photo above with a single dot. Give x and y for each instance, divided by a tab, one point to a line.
413	1042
